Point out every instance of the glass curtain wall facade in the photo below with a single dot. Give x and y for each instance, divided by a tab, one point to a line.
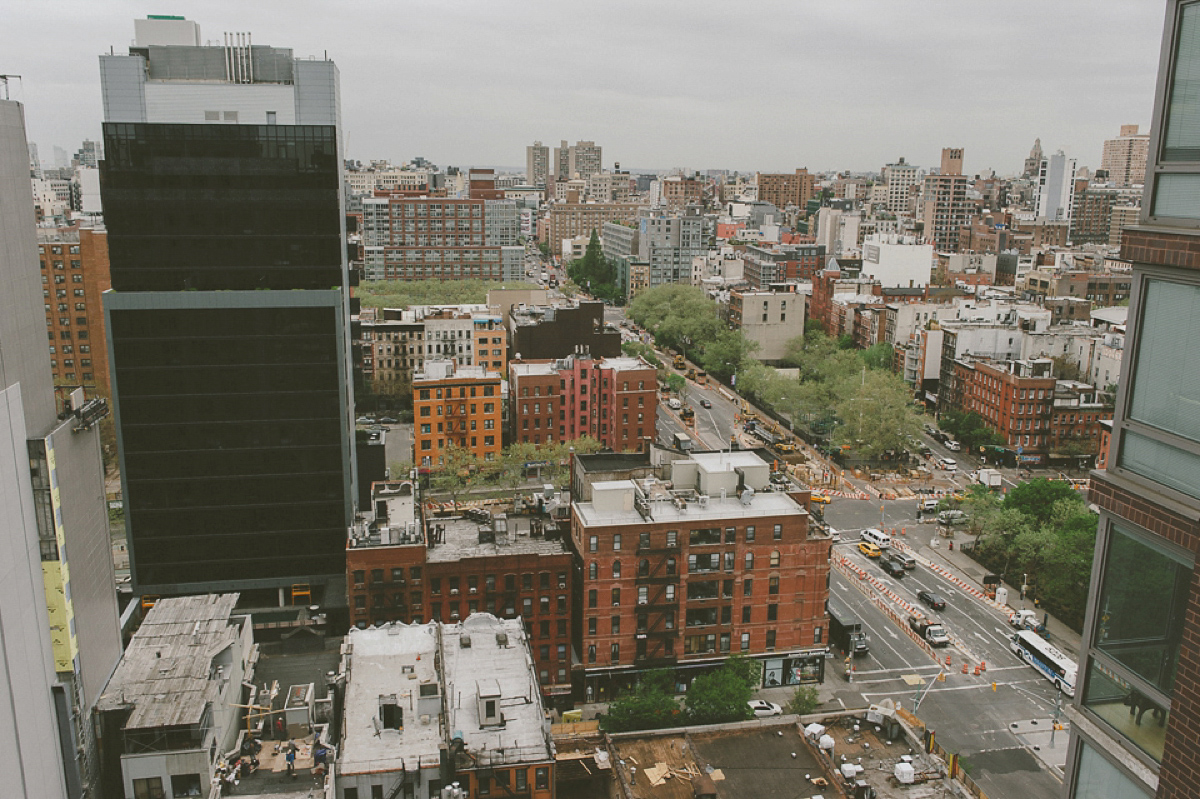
1136	722
228	344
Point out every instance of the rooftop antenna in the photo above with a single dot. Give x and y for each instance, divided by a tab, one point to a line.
4	83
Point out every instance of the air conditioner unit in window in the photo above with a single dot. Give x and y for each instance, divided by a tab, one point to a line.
454	592
474	590
562	586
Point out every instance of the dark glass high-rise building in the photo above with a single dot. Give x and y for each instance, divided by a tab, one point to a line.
228	315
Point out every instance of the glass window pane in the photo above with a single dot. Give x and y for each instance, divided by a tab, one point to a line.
1182	141
1127	710
1162	463
1175	195
1141	609
1166	385
1096	778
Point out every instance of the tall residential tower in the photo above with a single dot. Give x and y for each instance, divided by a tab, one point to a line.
1136	712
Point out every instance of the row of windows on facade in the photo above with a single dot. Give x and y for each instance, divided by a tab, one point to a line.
488	424
696	645
705	536
60	293
436	209
488	391
501	782
697	563
507	608
57	249
435	224
427	444
489	408
704	590
60	279
75	264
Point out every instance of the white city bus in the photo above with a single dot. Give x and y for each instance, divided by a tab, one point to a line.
1054	665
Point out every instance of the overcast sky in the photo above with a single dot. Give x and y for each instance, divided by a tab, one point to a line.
823	84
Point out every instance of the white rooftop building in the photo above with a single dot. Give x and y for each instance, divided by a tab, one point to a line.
432	706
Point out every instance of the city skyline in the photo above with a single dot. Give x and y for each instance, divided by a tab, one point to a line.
476	82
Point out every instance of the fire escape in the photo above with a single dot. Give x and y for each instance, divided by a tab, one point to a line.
658	588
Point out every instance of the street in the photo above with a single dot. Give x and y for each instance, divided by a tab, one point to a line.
994	728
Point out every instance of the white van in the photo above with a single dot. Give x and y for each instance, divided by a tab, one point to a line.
674	404
949	464
877	537
930	505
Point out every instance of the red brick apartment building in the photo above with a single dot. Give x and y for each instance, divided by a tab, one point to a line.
687	561
613	400
1015	398
403	566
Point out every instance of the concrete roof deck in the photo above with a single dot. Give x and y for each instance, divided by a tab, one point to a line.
462	541
524	736
763	504
381	661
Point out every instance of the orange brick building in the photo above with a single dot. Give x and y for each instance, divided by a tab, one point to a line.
75	273
456	408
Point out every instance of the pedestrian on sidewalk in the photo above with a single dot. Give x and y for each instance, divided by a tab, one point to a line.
279	729
291	759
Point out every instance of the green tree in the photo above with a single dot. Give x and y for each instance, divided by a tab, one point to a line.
725	354
636	349
1035	498
676	383
649	706
804	701
722	695
679	316
879	356
596	272
458	473
969	429
877	413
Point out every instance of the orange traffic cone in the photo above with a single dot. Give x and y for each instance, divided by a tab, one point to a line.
964	667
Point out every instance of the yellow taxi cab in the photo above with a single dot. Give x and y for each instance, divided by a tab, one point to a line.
824	499
869	549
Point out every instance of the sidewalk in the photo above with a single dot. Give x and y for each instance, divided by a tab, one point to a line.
962	564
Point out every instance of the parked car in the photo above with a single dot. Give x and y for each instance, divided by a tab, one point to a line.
952	518
762	708
389	420
869	549
705	403
932	600
930	430
364	420
953	445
